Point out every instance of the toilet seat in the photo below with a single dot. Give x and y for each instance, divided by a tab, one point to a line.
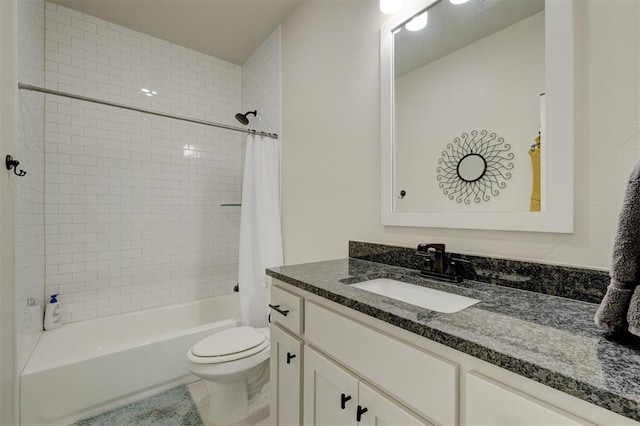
228	345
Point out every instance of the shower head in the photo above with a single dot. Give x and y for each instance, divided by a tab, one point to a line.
242	118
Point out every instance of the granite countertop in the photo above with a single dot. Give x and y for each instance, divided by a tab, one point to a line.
549	339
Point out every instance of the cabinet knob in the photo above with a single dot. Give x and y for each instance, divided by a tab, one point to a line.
290	356
343	400
278	310
360	412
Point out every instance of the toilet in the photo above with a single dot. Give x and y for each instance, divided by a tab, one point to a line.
234	364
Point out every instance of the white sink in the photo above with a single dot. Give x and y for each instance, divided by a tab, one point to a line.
428	298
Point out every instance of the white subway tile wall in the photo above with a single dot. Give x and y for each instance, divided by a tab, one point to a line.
132	201
261	84
29	245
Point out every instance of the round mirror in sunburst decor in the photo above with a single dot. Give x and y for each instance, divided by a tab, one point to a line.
475	167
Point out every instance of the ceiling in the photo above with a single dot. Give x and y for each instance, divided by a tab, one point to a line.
227	29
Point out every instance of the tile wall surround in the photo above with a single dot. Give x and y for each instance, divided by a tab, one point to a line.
29	239
261	85
132	201
588	285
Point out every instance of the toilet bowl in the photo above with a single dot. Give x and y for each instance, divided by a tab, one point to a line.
234	364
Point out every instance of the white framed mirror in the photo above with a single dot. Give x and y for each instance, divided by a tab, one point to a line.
477	116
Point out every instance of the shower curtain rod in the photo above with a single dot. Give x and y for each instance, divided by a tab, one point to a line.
144	110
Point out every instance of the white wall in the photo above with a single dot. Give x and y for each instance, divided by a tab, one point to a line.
261	85
133	215
8	134
492	85
30	188
331	138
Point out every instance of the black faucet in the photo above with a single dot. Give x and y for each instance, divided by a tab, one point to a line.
438	264
435	254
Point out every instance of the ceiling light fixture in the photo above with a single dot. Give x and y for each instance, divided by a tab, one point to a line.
417	23
389	7
458	1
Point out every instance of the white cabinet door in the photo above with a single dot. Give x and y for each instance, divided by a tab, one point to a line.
491	403
382	411
330	393
333	397
286	372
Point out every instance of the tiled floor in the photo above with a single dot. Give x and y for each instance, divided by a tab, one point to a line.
200	396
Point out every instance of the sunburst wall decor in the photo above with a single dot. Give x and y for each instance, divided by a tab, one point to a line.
474	167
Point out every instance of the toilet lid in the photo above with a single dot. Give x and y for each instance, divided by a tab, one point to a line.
228	342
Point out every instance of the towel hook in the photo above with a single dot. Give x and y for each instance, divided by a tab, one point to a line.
13	164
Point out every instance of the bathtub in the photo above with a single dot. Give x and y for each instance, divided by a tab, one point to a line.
88	367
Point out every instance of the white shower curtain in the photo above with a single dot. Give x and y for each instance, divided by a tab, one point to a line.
260	230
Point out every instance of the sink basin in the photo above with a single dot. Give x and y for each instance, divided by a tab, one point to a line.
428	298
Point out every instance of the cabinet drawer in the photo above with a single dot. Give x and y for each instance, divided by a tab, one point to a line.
422	381
286	310
491	403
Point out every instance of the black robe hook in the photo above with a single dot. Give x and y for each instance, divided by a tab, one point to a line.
13	164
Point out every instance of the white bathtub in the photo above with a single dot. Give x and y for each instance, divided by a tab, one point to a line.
88	367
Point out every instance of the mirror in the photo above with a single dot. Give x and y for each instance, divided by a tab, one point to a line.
477	116
471	168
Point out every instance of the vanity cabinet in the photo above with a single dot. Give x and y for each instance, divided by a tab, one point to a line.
333	396
398	376
286	375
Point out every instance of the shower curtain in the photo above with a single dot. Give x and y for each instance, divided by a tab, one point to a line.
260	230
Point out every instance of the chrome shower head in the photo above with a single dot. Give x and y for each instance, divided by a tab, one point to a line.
242	118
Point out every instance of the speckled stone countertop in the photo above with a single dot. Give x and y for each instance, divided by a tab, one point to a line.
549	339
